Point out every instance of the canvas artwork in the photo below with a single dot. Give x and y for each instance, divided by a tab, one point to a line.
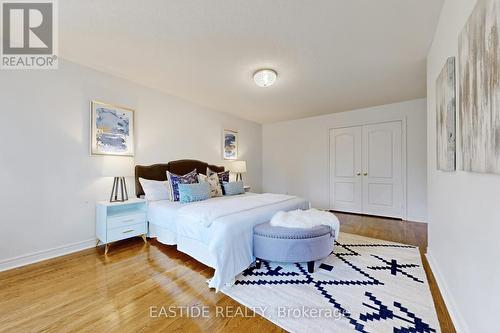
112	130
479	77
230	145
445	117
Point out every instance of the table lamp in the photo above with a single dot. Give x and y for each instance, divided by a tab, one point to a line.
238	167
118	168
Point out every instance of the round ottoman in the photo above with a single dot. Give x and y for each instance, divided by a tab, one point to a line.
292	244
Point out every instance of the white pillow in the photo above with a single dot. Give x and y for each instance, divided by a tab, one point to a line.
155	189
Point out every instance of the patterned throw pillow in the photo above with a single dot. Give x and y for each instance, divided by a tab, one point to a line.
233	188
174	181
223	177
213	181
194	192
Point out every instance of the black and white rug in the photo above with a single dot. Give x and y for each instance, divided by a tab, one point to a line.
365	285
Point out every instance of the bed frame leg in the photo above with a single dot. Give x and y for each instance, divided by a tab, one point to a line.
258	263
310	266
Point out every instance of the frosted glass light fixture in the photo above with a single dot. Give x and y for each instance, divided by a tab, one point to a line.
265	77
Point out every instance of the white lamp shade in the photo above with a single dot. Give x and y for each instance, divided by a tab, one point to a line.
238	167
117	166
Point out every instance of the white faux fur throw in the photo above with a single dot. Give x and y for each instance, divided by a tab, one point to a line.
306	219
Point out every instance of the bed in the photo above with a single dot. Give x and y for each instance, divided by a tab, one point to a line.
218	232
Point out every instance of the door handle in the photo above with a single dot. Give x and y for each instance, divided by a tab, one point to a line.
358	174
365	173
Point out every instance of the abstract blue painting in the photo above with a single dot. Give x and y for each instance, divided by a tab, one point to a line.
230	145
112	130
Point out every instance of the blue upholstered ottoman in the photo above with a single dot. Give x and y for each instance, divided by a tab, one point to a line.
292	244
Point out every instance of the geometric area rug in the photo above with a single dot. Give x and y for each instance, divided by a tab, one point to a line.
365	285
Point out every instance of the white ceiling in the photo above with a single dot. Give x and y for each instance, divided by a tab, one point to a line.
330	55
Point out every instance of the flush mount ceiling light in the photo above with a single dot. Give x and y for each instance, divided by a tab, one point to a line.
265	77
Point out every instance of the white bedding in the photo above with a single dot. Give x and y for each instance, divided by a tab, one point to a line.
163	213
161	216
228	235
206	212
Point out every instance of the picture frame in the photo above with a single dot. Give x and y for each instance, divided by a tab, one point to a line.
479	91
446	117
229	144
111	129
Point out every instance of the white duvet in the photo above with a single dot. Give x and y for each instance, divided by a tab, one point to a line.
205	212
225	225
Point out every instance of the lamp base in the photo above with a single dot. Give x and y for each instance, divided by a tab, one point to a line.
119	196
239	176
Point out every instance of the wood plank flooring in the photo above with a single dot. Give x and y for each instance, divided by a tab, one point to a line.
90	292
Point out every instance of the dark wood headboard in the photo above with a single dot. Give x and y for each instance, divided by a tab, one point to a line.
159	171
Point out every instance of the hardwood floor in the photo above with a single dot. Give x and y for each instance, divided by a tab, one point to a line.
90	292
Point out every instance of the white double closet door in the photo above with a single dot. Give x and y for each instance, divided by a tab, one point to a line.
366	169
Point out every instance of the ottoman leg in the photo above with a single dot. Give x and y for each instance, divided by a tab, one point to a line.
310	266
258	263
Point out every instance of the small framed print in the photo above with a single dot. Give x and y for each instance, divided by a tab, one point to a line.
230	144
111	130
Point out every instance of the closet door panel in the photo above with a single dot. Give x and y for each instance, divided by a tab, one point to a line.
382	169
345	169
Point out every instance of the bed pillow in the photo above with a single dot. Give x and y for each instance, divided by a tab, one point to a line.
233	188
155	190
174	181
194	192
223	177
213	182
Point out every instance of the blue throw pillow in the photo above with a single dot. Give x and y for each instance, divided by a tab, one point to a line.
194	192
233	188
174	181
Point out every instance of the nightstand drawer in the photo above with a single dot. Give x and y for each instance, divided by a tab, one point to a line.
126	232
125	220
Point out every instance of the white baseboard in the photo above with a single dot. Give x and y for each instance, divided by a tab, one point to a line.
416	219
451	305
32	258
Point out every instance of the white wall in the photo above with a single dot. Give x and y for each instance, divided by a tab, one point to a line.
296	153
50	182
464	208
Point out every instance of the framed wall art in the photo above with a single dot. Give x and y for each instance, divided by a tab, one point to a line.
445	117
111	130
230	144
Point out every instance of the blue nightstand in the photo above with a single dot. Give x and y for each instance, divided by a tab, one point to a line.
120	220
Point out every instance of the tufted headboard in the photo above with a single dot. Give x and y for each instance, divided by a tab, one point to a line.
159	171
